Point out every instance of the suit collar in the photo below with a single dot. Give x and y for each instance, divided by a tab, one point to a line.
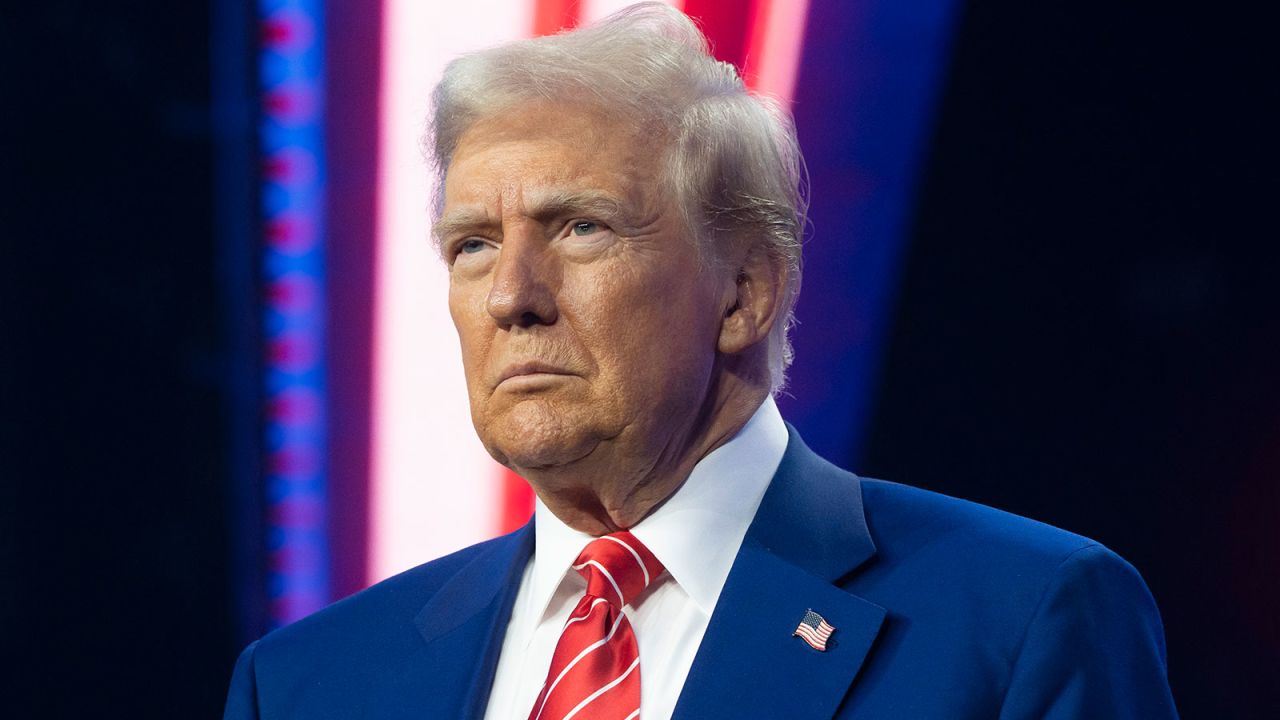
463	624
491	576
809	532
812	515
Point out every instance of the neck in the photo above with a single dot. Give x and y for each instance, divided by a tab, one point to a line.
624	479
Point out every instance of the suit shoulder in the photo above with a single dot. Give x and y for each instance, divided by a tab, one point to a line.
973	553
328	663
981	576
906	519
384	607
1028	619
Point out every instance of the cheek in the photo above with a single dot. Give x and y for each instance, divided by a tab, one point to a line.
647	328
471	320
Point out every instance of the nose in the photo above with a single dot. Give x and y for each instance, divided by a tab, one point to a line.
523	290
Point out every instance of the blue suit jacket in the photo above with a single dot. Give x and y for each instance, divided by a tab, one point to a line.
942	609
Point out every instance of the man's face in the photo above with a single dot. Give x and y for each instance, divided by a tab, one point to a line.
587	323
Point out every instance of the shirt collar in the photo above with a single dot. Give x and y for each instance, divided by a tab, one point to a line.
696	533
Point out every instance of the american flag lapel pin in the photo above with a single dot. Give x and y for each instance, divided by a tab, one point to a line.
814	630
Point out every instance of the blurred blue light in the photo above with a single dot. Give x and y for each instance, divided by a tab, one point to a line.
291	73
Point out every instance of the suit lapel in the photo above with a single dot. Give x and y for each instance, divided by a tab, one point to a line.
462	626
809	532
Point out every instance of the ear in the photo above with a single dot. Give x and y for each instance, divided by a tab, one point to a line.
754	301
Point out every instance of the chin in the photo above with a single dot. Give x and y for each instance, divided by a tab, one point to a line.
535	434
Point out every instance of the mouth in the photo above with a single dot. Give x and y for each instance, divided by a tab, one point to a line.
530	371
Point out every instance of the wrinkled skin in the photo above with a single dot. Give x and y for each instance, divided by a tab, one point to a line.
603	359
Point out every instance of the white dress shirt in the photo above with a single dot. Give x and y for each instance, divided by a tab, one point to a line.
695	535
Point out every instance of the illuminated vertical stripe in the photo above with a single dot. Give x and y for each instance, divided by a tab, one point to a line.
433	488
552	16
726	24
762	37
291	71
866	103
773	53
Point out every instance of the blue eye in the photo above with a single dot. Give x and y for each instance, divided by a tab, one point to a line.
582	229
471	245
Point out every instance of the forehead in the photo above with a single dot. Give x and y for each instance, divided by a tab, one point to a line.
548	149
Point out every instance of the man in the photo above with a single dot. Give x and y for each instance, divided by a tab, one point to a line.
621	222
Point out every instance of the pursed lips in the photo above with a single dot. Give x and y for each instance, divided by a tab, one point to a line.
525	369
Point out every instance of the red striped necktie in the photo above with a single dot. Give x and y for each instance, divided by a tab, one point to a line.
595	671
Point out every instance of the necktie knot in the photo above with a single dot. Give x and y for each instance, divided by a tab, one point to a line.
617	567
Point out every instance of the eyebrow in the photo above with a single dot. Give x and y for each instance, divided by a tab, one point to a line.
592	203
458	221
546	207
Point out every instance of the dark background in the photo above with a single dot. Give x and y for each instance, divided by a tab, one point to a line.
1085	332
116	582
